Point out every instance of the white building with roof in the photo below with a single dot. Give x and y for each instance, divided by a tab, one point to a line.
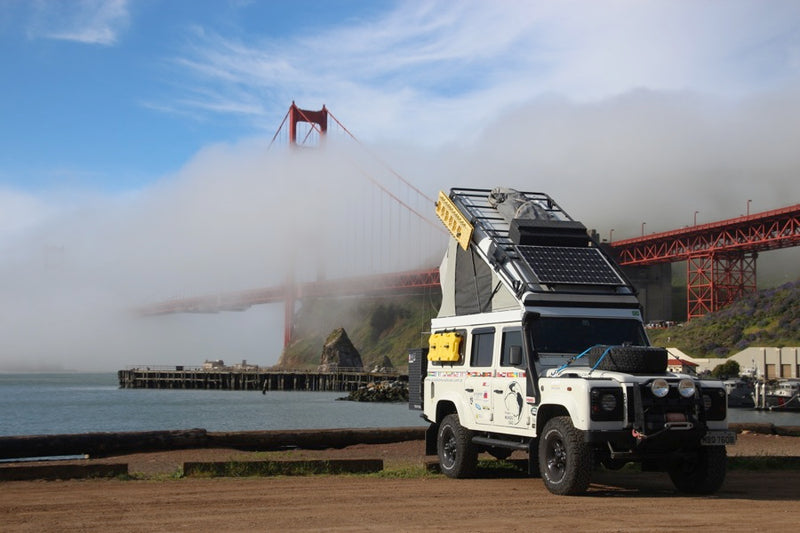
769	362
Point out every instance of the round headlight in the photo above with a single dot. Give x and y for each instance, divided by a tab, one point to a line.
608	402
686	388
659	388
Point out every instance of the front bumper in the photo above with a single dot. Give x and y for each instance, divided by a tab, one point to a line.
629	440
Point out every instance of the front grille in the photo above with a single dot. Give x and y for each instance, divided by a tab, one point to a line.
649	413
715	403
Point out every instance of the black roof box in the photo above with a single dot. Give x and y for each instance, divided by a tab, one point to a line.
536	232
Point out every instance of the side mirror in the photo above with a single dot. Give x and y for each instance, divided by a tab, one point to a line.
515	355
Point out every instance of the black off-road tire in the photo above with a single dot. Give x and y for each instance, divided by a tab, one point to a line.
629	359
703	474
565	460
458	457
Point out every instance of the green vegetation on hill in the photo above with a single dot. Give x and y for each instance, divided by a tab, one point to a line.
387	326
769	318
390	326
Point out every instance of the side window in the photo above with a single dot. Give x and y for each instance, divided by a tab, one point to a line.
511	338
482	347
462	346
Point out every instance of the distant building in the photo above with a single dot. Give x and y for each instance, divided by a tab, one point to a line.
244	366
770	363
216	364
758	362
682	366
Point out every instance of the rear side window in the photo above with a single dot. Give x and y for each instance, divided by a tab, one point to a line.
510	338
482	347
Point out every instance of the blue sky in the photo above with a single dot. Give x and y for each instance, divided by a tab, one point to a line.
97	94
133	134
112	95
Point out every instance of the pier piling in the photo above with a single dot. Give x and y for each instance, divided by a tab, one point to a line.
264	380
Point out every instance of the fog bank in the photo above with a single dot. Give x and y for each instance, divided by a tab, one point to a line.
74	266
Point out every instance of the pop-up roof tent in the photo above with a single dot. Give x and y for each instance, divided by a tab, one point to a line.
509	243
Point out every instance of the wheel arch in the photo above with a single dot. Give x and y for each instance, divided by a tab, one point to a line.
444	408
546	412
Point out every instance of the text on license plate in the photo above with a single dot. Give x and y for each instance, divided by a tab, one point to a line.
719	438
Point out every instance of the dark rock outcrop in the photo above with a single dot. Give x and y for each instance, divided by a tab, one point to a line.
338	353
385	391
384	366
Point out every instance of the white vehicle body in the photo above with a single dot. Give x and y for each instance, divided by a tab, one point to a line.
560	368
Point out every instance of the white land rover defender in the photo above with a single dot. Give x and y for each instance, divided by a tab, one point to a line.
539	346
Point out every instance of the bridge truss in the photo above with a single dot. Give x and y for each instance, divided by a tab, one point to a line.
720	256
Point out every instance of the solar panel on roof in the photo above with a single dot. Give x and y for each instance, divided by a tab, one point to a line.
569	265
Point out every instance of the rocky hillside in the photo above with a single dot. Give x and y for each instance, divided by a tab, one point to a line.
377	327
769	318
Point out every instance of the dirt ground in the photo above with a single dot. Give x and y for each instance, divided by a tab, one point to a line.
617	501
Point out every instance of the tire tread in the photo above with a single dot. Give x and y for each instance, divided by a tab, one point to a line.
466	455
579	461
629	359
704	475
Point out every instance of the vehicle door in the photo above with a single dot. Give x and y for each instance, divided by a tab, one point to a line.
478	382
508	384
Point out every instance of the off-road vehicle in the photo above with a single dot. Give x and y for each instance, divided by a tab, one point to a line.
539	346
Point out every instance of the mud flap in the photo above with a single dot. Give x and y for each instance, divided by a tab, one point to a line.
431	435
533	458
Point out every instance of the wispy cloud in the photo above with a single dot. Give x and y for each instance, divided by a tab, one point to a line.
83	21
453	65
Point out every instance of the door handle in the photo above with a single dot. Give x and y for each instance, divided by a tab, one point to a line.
469	390
498	391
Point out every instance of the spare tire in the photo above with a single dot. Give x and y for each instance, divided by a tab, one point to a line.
629	359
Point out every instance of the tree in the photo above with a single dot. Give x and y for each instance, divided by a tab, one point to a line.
728	369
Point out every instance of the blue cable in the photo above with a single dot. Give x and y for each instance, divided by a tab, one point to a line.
587	350
601	358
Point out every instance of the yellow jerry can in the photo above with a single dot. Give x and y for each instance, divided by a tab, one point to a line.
444	347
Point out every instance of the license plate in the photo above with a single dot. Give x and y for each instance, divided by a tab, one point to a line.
719	438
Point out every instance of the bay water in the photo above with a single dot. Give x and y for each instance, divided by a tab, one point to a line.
45	404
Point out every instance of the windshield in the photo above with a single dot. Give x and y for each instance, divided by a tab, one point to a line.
574	335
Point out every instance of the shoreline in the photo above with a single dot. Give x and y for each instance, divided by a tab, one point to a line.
110	443
398	449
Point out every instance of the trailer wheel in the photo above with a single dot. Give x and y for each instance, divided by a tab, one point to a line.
565	461
457	456
702	474
629	359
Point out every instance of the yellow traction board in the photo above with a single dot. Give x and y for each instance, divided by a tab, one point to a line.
456	223
444	347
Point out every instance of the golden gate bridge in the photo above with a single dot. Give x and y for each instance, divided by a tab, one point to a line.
720	256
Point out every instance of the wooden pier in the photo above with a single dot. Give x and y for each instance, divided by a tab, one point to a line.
256	380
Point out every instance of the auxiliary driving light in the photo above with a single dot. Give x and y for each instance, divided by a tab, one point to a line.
686	388
659	388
